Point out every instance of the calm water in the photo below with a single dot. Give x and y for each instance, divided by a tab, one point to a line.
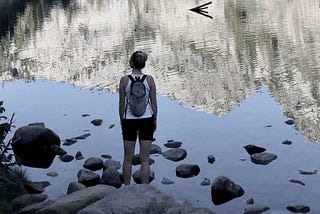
253	64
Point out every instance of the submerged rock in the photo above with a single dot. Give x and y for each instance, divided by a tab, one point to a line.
252	149
175	154
187	170
256	209
298	208
137	178
263	158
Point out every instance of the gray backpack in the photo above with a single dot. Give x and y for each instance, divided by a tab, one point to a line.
137	99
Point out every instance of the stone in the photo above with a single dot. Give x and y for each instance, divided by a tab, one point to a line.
78	156
33	208
289	122
252	149
69	142
224	189
211	159
136	160
256	209
175	154
106	156
25	200
77	200
75	186
305	172
93	163
250	201
111	177
82	137
111	163
297	182
173	144
167	181
88	178
141	199
187	170
137	178
263	158
287	142
205	182
97	122
66	158
52	174
111	126
155	149
58	150
36	187
298	208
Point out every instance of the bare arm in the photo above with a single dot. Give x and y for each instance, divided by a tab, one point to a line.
153	99
122	95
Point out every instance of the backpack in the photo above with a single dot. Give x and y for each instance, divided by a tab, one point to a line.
137	99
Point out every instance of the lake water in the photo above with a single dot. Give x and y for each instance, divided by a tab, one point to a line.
223	82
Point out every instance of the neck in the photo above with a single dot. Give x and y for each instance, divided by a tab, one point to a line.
136	71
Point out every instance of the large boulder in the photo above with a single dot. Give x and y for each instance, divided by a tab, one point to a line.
223	190
25	200
77	200
141	199
33	146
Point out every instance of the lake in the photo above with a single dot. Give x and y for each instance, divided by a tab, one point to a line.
223	82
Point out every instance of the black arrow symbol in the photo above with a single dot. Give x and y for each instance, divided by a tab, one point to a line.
200	9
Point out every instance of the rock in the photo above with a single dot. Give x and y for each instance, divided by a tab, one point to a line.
205	182
75	186
250	201
297	182
187	170
155	149
111	126
106	156
173	144
166	181
69	142
255	210
36	187
289	122
263	158
298	208
304	172
52	174
85	115
93	164
88	178
26	200
77	200
136	160
224	189
97	122
111	177
32	146
137	178
211	159
58	150
252	149
82	137
111	163
66	158
175	154
33	208
78	156
287	142
37	124
141	199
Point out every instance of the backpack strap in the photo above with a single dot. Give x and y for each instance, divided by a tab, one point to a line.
133	80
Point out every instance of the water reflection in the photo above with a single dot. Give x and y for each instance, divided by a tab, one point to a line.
211	64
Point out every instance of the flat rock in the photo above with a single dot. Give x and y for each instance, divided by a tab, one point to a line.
93	163
256	209
298	208
137	178
187	170
252	149
263	158
88	178
175	154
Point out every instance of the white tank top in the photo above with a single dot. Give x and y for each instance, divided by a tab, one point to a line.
148	113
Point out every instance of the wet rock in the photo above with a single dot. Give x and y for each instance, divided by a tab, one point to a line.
256	210
52	174
15	73
69	142
252	149
289	122
97	122
111	126
80	137
36	187
173	144
106	156
93	164
78	156
287	142
58	150
298	208
66	158
224	189
263	158
304	172
250	201
205	182
26	200
137	178
33	208
136	160
297	182
85	115
111	164
75	186
37	124
175	154
88	178
167	181
155	149
211	159
111	177
187	170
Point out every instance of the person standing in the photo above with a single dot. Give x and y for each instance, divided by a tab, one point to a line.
134	125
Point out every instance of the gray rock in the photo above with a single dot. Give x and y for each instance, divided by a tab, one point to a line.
289	122
93	164
205	182
137	178
155	149
136	160
297	182
173	144
97	122
305	172
36	187
250	201
88	178
77	200
58	150
256	210
78	156
224	189
298	208
175	154
187	170
252	149
33	208
106	156
263	158
66	158
111	177
52	174
287	142
25	200
211	159
141	199
75	186
111	163
166	181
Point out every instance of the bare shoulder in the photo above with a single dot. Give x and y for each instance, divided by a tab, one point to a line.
150	79
124	81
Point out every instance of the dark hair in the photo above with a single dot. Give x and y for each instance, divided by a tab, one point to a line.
138	59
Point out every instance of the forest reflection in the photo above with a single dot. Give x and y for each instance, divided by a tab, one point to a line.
210	64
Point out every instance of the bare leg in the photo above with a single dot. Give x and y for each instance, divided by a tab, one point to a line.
127	160
145	146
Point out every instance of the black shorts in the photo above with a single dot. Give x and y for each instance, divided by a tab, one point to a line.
131	128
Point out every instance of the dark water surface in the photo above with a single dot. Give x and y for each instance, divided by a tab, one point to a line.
253	64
